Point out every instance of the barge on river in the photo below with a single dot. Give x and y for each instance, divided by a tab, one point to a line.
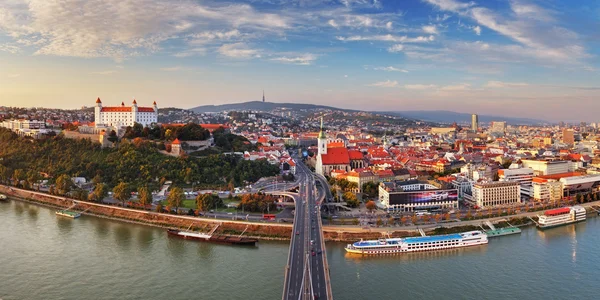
211	237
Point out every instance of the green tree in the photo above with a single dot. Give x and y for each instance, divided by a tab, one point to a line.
121	192
144	196
176	196
63	184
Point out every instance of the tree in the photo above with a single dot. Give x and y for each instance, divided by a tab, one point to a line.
379	222
403	220
159	207
121	192
176	196
351	199
144	196
100	192
63	184
371	205
447	216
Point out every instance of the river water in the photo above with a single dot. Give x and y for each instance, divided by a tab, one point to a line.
43	256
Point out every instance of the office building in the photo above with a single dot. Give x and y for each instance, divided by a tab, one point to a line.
474	122
487	194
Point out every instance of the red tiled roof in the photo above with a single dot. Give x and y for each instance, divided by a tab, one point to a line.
176	142
355	154
335	144
145	109
336	156
213	126
116	109
98	100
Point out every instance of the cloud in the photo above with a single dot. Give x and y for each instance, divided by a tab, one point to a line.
305	59
107	72
13	75
123	28
390	69
171	69
191	52
210	36
9	48
456	87
420	86
395	48
333	23
531	27
430	29
500	84
386	84
388	38
238	51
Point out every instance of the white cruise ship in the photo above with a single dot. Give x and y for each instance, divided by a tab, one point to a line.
416	244
561	216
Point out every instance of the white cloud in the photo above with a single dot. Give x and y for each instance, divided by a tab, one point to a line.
171	69
305	59
450	5
191	52
10	49
500	84
390	69
122	28
333	23
238	51
209	36
388	38
430	29
456	87
396	48
345	76
107	72
386	84
420	86
477	30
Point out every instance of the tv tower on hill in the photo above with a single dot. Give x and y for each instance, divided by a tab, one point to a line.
263	96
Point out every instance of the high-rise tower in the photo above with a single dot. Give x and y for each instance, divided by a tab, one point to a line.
263	96
474	122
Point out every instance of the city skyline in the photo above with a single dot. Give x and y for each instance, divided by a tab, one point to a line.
535	59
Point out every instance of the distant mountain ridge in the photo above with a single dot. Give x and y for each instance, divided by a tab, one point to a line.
259	105
438	116
444	116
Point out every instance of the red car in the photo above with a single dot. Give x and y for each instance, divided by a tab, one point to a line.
297	232
313	253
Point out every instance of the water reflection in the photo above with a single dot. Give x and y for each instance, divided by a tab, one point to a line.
101	228
18	208
145	238
32	212
65	225
123	236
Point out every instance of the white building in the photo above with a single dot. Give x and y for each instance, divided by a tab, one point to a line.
123	116
548	167
496	193
523	176
547	190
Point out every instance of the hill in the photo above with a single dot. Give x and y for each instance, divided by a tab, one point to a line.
444	116
260	106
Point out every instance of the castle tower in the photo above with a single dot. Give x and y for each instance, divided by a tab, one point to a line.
134	111
322	140
98	112
176	147
155	107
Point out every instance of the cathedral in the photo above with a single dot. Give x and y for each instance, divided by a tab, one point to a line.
331	156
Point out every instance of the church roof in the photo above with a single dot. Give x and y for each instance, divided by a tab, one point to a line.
355	154
336	156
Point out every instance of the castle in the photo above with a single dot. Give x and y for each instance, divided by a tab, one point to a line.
123	116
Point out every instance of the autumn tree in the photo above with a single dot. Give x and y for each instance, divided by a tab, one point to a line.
144	196
350	199
121	192
100	192
371	205
176	196
63	184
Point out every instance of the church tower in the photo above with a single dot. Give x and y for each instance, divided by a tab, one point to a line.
322	140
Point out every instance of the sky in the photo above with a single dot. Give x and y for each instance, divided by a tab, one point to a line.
522	58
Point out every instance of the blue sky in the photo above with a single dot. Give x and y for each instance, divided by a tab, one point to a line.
520	58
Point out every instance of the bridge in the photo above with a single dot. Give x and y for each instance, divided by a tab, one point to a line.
307	270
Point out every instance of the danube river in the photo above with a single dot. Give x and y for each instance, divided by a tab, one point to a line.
46	257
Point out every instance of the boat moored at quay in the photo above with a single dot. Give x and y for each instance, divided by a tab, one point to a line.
234	240
561	216
418	244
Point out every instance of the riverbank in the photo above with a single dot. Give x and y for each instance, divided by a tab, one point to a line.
261	231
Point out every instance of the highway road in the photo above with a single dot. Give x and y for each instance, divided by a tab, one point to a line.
306	272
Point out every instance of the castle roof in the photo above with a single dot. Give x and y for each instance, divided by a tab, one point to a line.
134	102
176	142
98	100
